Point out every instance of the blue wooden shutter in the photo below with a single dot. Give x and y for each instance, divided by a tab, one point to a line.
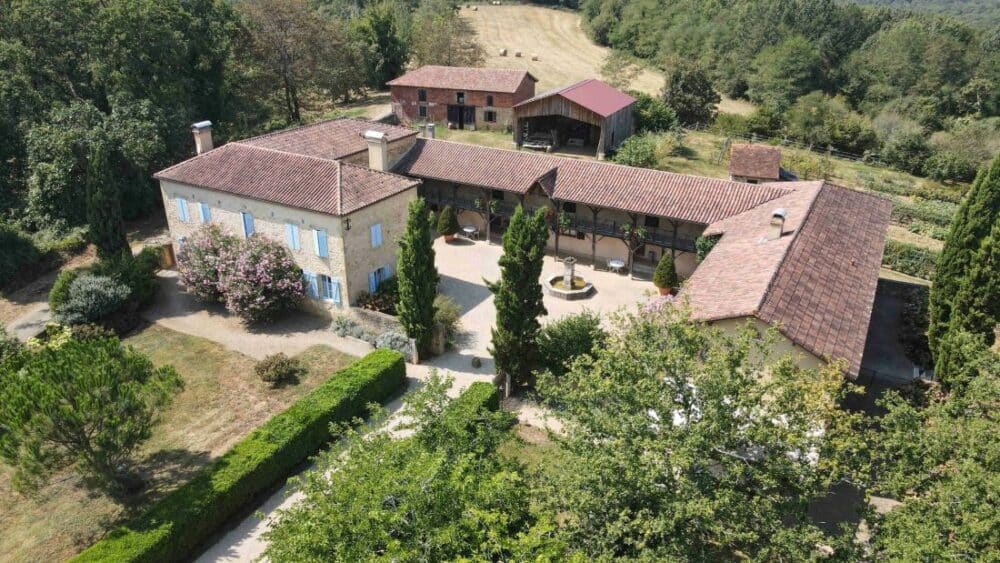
372	282
182	209
205	212
247	223
388	271
292	236
335	291
311	287
319	235
376	235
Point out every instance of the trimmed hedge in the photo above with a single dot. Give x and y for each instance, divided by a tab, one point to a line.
479	397
910	259
172	529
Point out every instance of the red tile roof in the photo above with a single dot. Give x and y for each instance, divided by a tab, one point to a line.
306	182
336	138
816	283
639	190
464	78
591	94
755	161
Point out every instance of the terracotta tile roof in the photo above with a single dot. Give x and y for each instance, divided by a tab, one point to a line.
306	182
336	138
464	78
816	283
755	161
604	184
591	94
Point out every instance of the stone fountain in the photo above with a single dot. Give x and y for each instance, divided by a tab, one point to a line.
568	286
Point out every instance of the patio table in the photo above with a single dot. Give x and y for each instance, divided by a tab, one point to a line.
616	265
471	231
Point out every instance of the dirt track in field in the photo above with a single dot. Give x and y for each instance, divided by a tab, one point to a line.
565	53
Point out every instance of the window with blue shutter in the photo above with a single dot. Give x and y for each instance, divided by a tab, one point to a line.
312	288
373	281
320	244
335	291
376	235
182	209
330	288
206	212
292	236
247	223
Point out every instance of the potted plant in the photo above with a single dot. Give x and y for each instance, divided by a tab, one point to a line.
448	224
665	276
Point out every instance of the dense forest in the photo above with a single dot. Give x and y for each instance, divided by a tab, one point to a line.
128	77
980	12
914	91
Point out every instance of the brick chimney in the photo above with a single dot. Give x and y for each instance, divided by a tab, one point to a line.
202	136
378	150
777	223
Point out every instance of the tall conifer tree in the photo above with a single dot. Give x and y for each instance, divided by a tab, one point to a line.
518	297
972	224
417	276
104	211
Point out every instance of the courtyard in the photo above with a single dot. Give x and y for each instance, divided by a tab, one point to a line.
465	264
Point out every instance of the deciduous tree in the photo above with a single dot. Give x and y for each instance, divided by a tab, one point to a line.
691	95
441	36
685	443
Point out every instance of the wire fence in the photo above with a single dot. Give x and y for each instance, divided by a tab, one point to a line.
784	141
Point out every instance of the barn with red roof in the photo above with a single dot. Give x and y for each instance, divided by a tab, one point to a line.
589	115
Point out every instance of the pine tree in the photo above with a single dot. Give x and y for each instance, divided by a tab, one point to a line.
104	212
417	276
972	223
518	297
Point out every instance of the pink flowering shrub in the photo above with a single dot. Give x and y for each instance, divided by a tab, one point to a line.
198	262
258	279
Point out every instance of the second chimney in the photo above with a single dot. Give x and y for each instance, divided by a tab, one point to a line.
430	130
777	223
202	136
378	150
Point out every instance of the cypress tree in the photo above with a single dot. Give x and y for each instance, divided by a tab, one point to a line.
976	306
104	211
417	276
972	223
517	296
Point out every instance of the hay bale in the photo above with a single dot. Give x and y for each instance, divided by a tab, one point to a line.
503	52
534	57
475	8
517	53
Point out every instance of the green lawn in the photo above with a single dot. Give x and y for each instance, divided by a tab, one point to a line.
222	402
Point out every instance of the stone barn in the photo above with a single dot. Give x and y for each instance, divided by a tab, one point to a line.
460	97
588	117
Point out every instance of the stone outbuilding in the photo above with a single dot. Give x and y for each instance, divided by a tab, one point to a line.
460	97
757	163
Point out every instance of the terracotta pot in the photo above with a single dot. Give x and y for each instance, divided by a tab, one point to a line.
664	290
449	238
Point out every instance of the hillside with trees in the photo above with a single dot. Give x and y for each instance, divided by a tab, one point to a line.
124	79
912	91
985	13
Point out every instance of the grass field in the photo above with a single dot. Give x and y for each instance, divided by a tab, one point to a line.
565	53
221	403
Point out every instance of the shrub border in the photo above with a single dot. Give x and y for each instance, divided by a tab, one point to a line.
175	527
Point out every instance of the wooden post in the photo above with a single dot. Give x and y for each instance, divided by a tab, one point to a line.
593	240
673	241
632	247
487	202
557	226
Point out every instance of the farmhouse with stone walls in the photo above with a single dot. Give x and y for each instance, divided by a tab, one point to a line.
803	257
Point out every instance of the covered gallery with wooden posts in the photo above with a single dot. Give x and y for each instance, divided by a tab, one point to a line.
589	116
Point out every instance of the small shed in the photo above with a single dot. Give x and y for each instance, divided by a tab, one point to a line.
754	163
586	116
